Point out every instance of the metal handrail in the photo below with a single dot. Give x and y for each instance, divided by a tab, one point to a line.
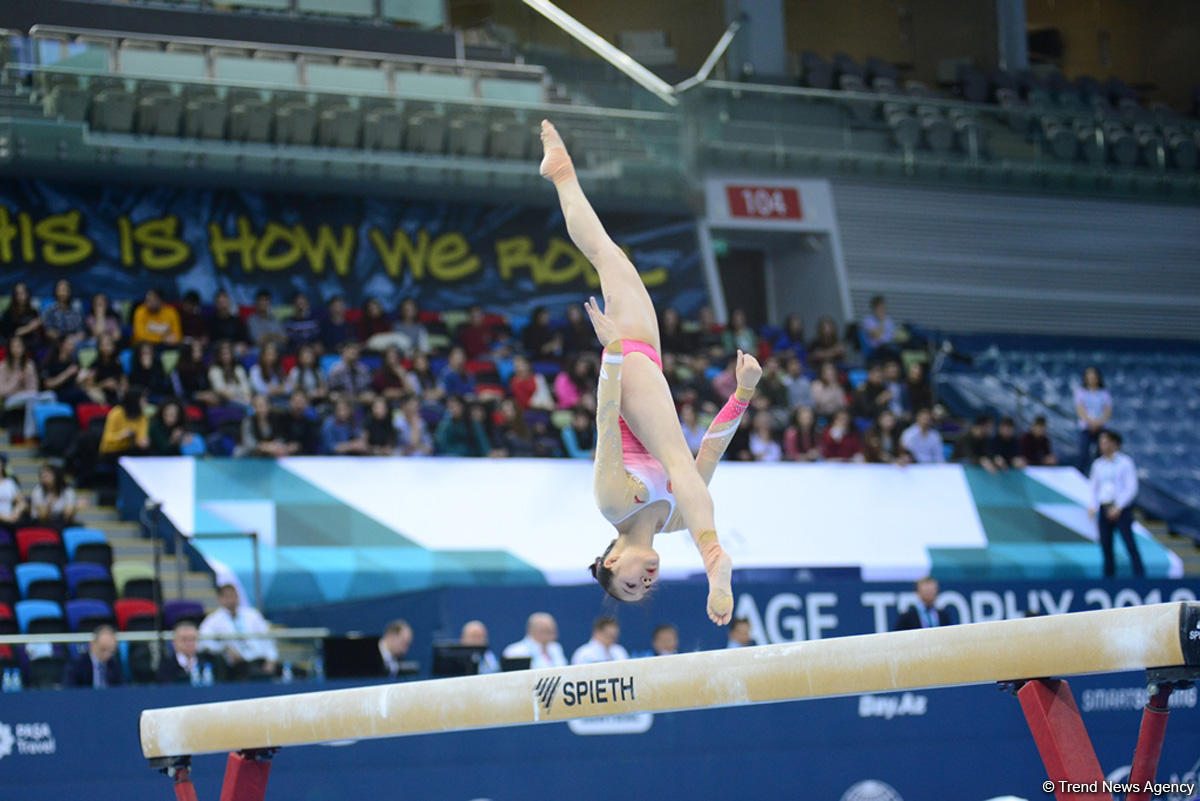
312	633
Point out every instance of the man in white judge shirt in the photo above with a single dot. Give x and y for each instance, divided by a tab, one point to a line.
603	646
1114	489
540	643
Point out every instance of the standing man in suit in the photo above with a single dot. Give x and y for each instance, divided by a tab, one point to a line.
184	663
99	665
925	615
1114	489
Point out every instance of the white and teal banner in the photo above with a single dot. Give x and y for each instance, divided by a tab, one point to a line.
333	529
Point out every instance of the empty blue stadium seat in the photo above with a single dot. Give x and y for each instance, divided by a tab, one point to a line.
29	572
75	536
85	571
86	613
44	411
29	611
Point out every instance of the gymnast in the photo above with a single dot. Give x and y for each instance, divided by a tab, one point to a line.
645	479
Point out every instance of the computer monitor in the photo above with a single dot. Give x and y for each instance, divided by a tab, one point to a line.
452	659
508	663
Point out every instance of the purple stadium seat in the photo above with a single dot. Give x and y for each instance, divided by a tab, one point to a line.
175	611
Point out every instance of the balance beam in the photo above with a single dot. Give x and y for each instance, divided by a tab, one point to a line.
1103	641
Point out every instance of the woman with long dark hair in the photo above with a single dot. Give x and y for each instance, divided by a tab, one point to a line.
20	319
1093	407
127	427
19	384
52	501
104	379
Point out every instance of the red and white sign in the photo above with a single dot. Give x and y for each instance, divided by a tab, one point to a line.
764	202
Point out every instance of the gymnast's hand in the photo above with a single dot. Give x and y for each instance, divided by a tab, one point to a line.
748	370
719	568
606	329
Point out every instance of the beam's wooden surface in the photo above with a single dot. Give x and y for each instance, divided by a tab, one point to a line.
1101	641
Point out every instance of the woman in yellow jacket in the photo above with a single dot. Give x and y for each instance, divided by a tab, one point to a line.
127	427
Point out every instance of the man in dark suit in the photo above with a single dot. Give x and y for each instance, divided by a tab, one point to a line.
393	651
925	614
183	664
99	665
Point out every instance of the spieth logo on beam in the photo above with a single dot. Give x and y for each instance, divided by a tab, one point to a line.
591	691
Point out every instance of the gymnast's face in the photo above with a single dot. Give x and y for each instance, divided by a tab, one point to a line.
635	569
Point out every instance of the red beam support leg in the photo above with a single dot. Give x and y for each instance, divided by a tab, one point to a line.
1149	744
1062	740
184	791
246	775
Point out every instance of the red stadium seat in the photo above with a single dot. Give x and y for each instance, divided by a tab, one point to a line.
33	539
194	414
132	613
86	412
427	317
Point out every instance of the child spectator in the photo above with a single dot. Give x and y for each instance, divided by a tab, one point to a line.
340	435
156	322
412	434
763	444
828	394
1036	449
104	381
800	441
840	441
827	346
379	429
20	319
266	376
305	376
1006	449
529	388
579	438
227	377
60	320
52	501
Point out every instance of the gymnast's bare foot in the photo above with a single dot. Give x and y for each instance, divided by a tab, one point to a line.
556	164
720	587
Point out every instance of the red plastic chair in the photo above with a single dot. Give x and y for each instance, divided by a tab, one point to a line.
129	609
29	537
86	412
194	414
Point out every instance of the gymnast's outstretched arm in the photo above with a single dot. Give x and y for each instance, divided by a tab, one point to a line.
610	481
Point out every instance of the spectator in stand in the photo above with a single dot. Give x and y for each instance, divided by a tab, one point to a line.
189	379
226	325
19	384
297	426
475	635
893	379
724	383
393	650
261	325
881	444
379	429
60	373
671	335
335	329
828	394
511	435
192	323
739	335
61	320
392	380
739	633
457	434
917	392
921	441
840	441
789	343
303	327
349	378
156	322
266	375
412	433
305	376
925	614
101	320
873	396
799	388
528	388
169	435
340	434
20	319
409	326
693	431
579	438
547	440
764	445
184	664
664	641
482	427
1114	489
12	502
575	383
739	443
422	376
879	329
52	502
247	656
146	371
709	332
374	323
603	646
260	439
99	666
801	442
773	386
827	346
227	378
126	428
104	381
578	336
974	446
475	335
1036	449
540	341
1006	449
540	644
454	380
1093	407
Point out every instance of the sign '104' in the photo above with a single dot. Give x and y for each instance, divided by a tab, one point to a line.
764	202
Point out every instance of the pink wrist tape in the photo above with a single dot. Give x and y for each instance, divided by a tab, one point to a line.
732	410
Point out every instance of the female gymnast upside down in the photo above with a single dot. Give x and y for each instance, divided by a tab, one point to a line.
645	479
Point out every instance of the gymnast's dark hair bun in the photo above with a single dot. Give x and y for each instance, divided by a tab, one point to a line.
604	575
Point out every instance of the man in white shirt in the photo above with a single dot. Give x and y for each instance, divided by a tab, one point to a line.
1114	489
603	646
921	441
246	656
739	633
540	643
